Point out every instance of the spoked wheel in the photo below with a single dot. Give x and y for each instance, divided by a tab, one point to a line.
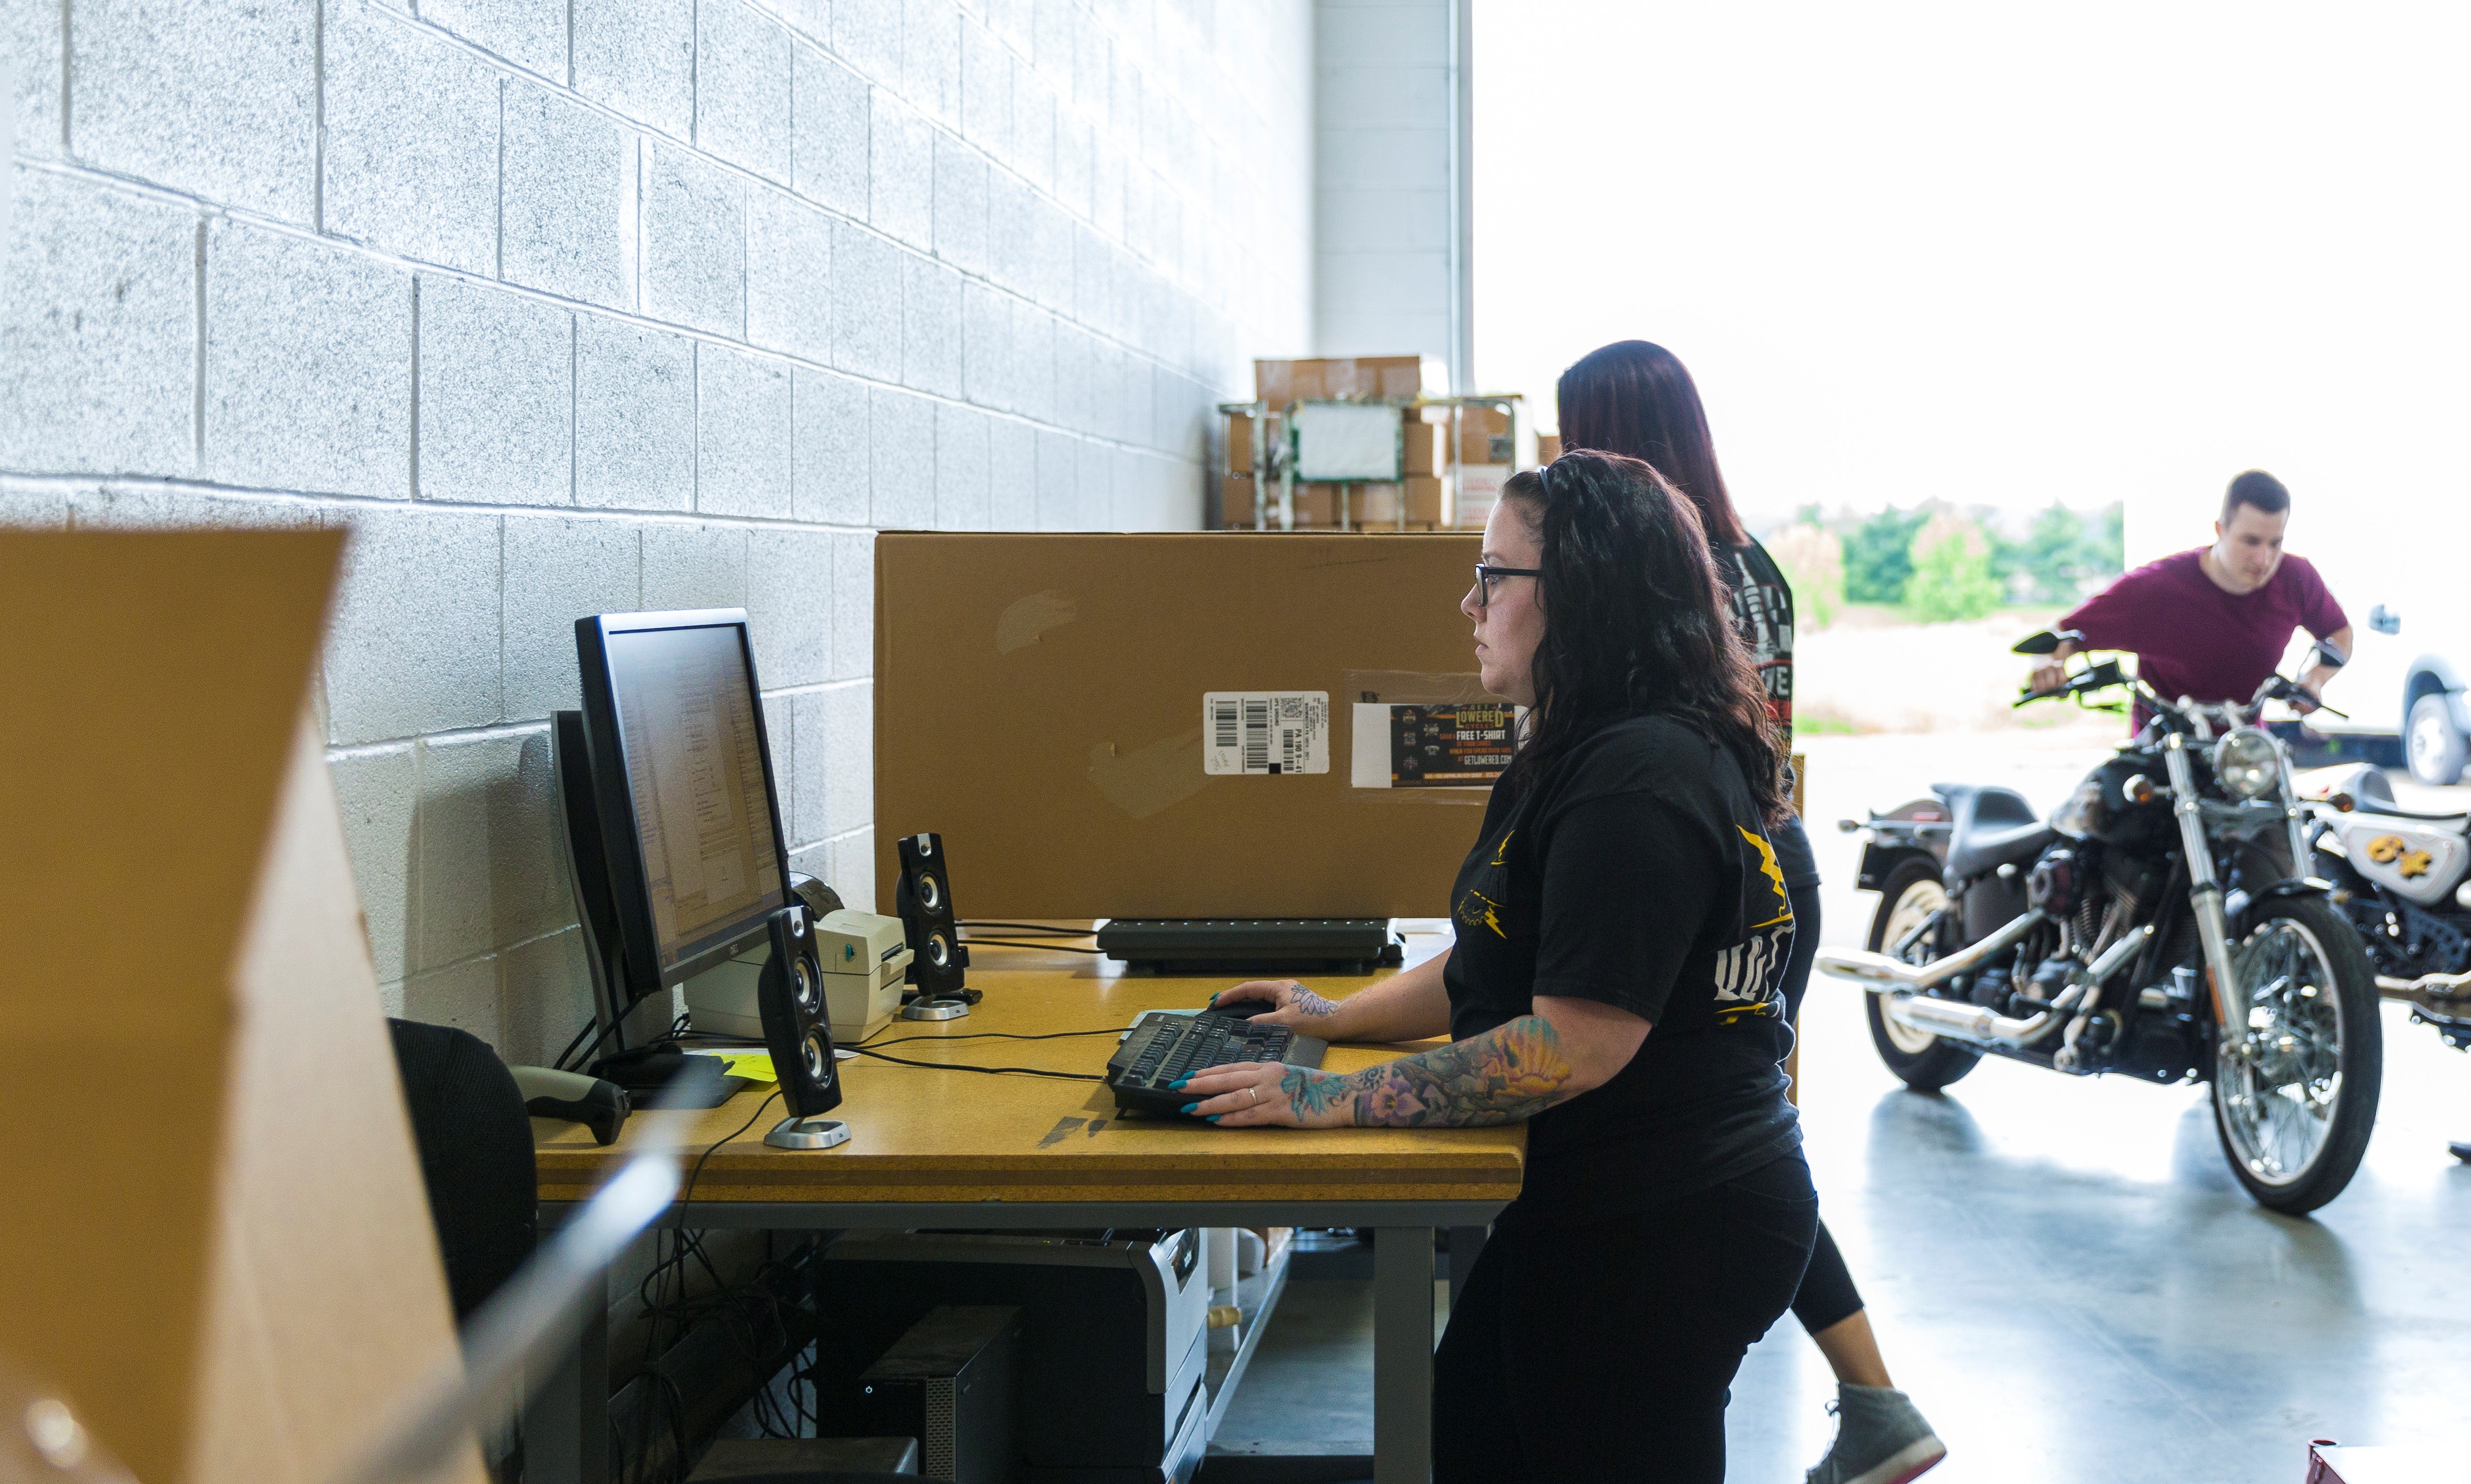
1926	1063
2295	1097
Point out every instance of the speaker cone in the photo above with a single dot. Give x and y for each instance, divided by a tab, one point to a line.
939	952
801	983
817	1058
930	892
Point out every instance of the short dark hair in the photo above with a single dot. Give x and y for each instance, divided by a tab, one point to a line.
2258	488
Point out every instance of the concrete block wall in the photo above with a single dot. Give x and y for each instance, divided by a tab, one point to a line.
1385	274
570	306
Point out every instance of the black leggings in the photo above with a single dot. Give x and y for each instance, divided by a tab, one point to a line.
1606	1351
1828	1293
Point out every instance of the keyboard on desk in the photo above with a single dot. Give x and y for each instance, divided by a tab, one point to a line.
1164	1046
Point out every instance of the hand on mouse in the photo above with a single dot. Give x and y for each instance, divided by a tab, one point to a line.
1295	1007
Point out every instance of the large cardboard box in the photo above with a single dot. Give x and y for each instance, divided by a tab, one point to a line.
1548	447
1484	436
1418	501
1236	502
1427	447
1048	704
1239	442
1281	382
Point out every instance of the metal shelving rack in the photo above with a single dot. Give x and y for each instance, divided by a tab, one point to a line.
1274	456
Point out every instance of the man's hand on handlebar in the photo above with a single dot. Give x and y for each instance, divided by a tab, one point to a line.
2050	672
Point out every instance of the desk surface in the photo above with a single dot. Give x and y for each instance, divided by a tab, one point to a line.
920	1135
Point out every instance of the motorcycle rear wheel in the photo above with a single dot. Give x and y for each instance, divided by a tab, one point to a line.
2295	1099
1923	1062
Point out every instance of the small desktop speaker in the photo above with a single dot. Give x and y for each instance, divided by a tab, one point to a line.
923	900
797	1028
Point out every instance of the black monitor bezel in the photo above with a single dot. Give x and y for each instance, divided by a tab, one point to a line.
619	837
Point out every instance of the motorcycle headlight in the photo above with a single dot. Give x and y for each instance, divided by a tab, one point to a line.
2247	761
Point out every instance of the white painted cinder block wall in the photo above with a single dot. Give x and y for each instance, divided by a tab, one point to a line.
567	306
1385	275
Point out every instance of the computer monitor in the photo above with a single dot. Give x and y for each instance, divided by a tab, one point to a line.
682	773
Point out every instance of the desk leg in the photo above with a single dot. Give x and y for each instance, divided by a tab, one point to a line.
1402	1355
566	1413
1466	1241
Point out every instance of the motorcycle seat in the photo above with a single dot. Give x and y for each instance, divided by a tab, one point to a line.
1989	827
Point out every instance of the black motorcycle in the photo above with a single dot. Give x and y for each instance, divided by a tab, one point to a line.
2154	927
2403	879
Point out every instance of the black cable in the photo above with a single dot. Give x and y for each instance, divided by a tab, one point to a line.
1052	948
1020	1071
991	1035
686	1196
560	1063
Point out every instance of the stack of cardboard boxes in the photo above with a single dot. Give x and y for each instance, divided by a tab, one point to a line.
1452	458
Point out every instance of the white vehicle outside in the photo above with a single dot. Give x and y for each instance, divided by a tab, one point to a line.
2410	642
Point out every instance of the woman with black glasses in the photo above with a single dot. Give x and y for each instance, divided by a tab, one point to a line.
1615	980
1635	398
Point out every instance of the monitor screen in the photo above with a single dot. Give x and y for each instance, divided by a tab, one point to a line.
696	775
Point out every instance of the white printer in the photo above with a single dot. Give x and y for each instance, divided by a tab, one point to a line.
866	957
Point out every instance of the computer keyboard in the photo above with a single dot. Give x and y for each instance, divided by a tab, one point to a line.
1164	1046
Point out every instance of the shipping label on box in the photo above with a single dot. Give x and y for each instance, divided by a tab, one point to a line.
1479	490
1459	745
1265	732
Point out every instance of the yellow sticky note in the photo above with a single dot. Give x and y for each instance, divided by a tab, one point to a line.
755	1066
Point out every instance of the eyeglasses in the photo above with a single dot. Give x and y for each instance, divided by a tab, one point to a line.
1485	576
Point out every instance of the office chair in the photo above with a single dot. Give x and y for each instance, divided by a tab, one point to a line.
475	1156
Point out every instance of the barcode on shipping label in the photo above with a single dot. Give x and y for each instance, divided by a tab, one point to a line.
1265	732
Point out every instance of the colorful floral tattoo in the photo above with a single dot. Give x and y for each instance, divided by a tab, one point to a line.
1309	1003
1511	1071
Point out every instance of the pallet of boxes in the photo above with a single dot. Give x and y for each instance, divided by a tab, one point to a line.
1365	443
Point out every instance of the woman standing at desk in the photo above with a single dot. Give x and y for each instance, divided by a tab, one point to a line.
1616	980
1635	398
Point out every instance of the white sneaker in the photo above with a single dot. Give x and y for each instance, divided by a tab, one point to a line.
1880	1438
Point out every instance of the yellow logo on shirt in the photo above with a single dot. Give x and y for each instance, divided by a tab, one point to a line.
1774	872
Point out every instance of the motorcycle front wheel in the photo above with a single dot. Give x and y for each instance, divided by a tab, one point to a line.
1922	1061
2295	1097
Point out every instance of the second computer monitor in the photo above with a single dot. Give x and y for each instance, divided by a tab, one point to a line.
684	776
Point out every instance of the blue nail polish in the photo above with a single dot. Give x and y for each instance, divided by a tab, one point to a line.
1177	1086
1213	999
1187	1107
1214	1118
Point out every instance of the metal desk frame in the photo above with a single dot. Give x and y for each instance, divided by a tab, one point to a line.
566	1435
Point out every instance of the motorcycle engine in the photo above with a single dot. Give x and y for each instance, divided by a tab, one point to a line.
2055	885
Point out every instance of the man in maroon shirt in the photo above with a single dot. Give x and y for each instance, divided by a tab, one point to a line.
2211	624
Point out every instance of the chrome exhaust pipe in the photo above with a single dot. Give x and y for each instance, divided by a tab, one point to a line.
2441	986
1877	971
1983	1025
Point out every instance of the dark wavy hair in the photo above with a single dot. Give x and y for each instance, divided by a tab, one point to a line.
1637	621
1635	398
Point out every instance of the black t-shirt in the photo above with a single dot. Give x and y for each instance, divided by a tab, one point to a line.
1636	872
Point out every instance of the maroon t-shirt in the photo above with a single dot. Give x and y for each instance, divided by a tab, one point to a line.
2193	639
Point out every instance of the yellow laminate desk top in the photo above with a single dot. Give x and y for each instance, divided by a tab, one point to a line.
922	1135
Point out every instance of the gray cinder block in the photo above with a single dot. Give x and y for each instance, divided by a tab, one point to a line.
561	569
866	303
901	170
835	764
31	34
487	869
688	566
868	33
694	242
788	277
412	142
497	396
986	90
308	367
98	330
1012	475
378	789
830	467
741	433
634	416
930	59
415	582
530	33
638	57
960	468
790	605
217	98
987	346
960	205
465	996
828	138
564	217
853	604
901	438
742	88
930	319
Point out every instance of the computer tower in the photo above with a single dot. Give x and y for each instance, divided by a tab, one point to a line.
949	1383
1115	1325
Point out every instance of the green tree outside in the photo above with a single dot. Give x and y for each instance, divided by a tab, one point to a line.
1878	555
1813	562
1950	579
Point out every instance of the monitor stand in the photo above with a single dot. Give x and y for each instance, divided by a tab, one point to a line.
1252	945
663	1074
813	1132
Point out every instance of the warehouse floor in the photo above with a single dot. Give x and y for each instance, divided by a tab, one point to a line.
2061	1271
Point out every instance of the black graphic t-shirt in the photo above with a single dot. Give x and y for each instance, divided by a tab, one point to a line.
1636	872
1763	613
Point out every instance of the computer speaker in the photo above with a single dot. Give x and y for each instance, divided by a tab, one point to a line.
923	899
797	1028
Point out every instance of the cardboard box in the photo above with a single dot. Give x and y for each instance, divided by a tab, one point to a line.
1236	502
1420	499
1365	377
1316	507
1484	436
1480	487
1239	442
1040	703
1427	447
1548	447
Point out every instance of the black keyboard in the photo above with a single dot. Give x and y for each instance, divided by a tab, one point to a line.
1164	1046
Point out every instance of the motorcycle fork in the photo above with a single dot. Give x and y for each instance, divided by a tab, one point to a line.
2206	892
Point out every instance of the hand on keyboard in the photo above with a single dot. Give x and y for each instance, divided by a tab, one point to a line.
1166	1049
1284	1003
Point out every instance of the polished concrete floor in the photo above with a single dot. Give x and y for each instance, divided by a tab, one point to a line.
2061	1271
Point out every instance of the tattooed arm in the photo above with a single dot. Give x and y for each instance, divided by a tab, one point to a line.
1410	1006
1511	1071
